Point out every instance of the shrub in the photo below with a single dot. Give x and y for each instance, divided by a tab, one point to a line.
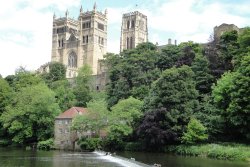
196	132
46	144
90	144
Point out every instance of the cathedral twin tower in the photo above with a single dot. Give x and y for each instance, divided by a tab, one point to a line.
84	41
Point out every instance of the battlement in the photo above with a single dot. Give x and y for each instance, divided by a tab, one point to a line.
135	13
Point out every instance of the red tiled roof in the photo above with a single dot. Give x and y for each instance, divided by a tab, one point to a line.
72	112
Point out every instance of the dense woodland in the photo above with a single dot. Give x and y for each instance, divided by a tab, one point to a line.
190	93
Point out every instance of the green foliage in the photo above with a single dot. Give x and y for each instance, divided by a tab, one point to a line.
81	88
95	119
174	93
90	144
128	111
46	144
244	38
23	79
123	118
202	77
196	132
57	71
228	48
233	152
64	94
211	118
6	94
168	57
131	73
31	117
232	96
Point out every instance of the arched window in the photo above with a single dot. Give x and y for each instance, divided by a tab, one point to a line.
72	60
133	24
128	24
127	42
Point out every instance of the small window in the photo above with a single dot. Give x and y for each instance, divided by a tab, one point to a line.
59	43
100	26
86	25
62	42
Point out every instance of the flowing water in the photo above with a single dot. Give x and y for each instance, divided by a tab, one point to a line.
13	157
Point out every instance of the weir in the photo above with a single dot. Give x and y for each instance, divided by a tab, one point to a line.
121	160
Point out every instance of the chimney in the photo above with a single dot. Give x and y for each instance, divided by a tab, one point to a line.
175	42
169	41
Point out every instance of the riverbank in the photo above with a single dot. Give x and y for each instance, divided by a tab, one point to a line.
224	151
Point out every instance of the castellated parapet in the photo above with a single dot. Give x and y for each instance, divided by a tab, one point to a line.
134	30
79	42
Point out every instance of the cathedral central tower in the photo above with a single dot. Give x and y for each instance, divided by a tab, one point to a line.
134	30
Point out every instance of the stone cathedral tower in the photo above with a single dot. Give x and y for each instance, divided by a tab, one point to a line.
134	30
79	42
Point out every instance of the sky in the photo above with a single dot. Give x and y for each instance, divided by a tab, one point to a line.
26	25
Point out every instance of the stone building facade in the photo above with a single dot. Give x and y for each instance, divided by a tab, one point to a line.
79	42
134	30
65	138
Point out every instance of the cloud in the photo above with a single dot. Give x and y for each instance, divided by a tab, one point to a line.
26	25
25	32
192	19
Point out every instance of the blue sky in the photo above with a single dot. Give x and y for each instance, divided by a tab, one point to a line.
26	25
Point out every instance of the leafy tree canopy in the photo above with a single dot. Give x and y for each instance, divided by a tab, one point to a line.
31	117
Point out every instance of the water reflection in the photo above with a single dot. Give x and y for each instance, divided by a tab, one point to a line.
167	160
12	157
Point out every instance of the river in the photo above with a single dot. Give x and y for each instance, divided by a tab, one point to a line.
13	157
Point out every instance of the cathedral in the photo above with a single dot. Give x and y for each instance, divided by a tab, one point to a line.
84	41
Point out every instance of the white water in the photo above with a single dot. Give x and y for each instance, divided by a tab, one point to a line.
120	160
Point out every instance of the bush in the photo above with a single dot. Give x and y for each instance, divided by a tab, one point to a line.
113	144
46	144
196	132
90	144
216	151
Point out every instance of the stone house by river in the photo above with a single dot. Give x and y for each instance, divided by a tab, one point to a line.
65	138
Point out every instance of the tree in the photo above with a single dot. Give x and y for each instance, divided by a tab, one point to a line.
94	120
6	94
122	120
196	132
31	117
168	57
23	79
202	76
131	73
82	88
64	94
156	130
175	91
57	71
232	96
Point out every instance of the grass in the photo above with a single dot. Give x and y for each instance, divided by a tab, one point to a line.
223	151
